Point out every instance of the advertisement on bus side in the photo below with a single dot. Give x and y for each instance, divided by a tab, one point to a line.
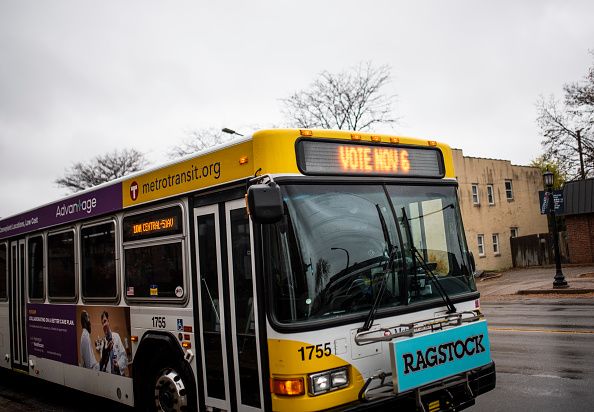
92	337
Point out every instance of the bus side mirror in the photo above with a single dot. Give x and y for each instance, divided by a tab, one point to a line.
265	203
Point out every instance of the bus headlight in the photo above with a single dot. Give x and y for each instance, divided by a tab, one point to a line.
320	383
339	379
323	382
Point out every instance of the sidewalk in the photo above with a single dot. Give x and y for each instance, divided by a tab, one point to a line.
537	282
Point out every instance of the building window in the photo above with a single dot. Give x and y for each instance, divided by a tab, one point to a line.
475	194
496	244
509	191
490	196
513	231
481	244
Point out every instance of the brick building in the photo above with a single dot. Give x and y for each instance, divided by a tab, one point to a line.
579	219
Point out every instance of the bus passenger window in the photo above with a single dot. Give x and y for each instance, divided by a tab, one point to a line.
35	258
155	271
98	261
3	271
60	266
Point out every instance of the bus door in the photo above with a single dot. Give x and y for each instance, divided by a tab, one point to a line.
228	308
18	325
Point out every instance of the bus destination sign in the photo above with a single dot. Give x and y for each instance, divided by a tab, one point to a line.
161	222
333	158
153	226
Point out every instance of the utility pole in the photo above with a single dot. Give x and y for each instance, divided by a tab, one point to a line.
579	139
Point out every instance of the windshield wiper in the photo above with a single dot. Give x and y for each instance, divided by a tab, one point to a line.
417	256
387	270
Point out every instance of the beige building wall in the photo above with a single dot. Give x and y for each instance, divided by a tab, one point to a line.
522	211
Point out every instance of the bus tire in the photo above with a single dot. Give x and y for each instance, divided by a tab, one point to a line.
165	383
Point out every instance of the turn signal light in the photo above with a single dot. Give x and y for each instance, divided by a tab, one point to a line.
243	160
187	345
287	386
134	338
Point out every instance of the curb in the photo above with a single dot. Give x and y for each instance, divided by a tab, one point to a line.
489	277
554	291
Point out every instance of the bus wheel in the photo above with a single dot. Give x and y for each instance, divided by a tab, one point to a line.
171	394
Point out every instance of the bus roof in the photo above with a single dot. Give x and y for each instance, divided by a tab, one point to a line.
264	152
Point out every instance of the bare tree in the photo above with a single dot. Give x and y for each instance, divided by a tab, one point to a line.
579	97
196	141
568	128
101	169
561	132
353	100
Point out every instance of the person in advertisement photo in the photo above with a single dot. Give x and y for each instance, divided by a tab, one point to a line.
108	349
87	351
113	354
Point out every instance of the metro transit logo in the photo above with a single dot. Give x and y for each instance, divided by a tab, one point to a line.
133	190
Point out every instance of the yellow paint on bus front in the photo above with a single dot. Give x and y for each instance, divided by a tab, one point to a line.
286	361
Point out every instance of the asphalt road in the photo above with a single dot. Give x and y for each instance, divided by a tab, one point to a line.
544	354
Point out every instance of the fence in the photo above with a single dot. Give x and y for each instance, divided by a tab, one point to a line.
537	250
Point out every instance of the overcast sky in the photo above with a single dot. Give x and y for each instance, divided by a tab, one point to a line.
81	78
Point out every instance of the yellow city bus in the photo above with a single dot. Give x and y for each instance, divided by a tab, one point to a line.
294	270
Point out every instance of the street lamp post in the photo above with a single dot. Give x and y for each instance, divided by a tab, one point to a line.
559	281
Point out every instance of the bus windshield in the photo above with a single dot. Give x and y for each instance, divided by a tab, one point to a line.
338	243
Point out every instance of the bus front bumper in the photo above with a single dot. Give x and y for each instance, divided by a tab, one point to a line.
434	398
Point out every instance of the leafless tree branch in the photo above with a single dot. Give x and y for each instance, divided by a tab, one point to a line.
101	169
348	100
196	141
562	123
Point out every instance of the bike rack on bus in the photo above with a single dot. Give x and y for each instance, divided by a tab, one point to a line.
385	387
386	334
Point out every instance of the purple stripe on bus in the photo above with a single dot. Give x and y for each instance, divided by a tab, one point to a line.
90	204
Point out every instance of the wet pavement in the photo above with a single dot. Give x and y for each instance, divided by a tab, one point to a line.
544	354
537	282
542	339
